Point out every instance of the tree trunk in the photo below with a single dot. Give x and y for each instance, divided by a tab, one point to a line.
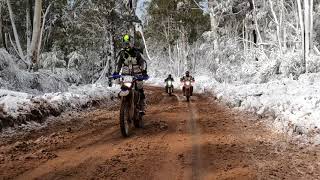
5	40
278	26
2	38
311	23
244	36
307	31
282	27
36	31
42	30
302	34
213	23
15	33
29	28
31	4
254	32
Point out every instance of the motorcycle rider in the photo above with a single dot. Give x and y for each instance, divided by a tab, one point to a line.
169	78
187	77
130	62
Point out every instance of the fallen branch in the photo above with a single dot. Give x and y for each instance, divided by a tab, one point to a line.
316	50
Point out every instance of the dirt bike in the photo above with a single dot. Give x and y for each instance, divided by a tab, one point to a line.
130	109
187	88
169	87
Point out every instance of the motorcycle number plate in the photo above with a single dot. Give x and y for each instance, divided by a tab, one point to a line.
127	78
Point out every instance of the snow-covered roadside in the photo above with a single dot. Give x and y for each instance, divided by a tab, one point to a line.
293	105
21	108
159	82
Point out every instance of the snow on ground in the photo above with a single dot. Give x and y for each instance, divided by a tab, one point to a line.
293	105
18	109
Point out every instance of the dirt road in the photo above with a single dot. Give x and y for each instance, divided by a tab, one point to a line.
196	140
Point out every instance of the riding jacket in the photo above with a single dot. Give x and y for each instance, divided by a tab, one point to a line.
130	62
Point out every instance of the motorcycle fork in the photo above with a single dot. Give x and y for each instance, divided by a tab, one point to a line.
132	105
187	90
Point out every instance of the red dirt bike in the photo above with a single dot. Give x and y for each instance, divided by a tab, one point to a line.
187	88
130	109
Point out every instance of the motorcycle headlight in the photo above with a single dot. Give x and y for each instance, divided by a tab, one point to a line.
169	83
188	83
127	84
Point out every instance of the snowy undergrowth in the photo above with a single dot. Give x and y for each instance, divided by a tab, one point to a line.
292	105
21	109
16	79
159	81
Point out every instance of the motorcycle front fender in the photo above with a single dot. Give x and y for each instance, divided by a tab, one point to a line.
124	93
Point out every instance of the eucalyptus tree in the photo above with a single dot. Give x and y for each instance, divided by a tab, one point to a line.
175	25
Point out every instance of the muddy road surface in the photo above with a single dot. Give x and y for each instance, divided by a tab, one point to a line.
197	140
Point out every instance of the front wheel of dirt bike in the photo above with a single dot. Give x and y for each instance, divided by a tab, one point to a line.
125	118
188	94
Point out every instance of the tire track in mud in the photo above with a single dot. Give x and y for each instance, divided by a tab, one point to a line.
181	140
194	132
195	140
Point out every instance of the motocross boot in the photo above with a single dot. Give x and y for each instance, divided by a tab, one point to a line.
142	102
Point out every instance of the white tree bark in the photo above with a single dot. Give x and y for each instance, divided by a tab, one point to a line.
13	45
144	41
36	31
316	50
168	40
15	33
42	30
302	32
1	27
246	37
107	63
278	26
282	26
256	22
28	24
307	30
243	36
311	23
213	22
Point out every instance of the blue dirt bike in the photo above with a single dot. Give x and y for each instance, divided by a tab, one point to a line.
130	97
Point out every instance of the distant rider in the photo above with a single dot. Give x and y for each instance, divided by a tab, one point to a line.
169	78
187	77
131	63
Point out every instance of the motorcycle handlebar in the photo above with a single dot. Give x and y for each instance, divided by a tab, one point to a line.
138	78
115	76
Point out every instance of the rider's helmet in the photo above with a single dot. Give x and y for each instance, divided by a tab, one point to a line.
170	76
126	40
187	73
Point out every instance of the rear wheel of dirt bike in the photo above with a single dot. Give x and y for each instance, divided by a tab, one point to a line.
125	119
138	122
137	119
